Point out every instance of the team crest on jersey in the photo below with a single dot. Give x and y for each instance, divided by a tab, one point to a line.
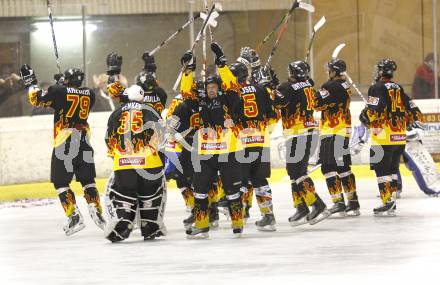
373	101
324	93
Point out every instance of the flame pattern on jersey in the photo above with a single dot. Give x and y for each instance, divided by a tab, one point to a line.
333	100
389	110
296	101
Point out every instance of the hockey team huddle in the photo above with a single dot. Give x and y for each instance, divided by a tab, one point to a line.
214	141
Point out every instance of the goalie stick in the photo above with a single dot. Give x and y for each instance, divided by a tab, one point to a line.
316	28
54	40
199	35
296	4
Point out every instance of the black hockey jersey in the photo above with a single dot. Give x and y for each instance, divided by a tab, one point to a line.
389	111
71	105
131	140
333	100
296	101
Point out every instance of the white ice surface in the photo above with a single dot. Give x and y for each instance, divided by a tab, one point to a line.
363	250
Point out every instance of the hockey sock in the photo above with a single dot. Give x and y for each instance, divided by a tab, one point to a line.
235	209
201	210
264	199
213	194
67	199
307	189
334	186
349	184
250	195
188	197
91	195
385	188
394	184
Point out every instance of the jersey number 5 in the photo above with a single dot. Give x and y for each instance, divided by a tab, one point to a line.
250	105
130	120
84	104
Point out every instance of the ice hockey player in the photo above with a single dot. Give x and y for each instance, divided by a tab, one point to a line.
72	153
217	143
387	113
155	95
333	100
133	135
295	99
255	110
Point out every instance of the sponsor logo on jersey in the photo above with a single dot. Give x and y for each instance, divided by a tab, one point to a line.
214	146
346	85
324	93
311	124
397	138
253	139
131	161
78	91
301	85
373	101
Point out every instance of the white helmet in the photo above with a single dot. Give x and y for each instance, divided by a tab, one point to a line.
134	93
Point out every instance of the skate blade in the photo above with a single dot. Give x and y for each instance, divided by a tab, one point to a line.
355	213
198	236
238	235
267	228
338	215
385	214
324	215
301	222
188	226
76	229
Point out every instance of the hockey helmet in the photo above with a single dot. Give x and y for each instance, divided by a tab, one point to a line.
337	65
73	77
147	81
240	71
299	70
385	68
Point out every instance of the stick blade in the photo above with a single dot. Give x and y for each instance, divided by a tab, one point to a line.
320	23
306	6
218	6
338	50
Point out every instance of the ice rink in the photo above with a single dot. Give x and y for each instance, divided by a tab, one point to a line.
362	250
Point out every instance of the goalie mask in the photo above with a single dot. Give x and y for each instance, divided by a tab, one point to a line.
385	68
73	77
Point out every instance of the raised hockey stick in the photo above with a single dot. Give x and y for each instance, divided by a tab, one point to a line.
54	40
199	35
316	28
335	55
280	34
296	4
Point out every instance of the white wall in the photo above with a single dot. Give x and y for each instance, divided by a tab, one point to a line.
26	144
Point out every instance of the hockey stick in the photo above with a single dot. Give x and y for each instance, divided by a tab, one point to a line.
280	34
296	4
316	28
199	35
335	55
54	40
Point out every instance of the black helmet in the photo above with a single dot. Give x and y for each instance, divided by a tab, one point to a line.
240	71
337	65
299	70
249	57
147	81
73	77
199	88
385	68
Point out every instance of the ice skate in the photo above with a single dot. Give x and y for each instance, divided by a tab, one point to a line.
75	223
96	216
338	208
267	223
319	212
187	223
196	233
389	209
237	232
300	216
353	208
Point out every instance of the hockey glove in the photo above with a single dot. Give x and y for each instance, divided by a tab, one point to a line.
149	63
189	60
114	63
363	118
28	76
220	58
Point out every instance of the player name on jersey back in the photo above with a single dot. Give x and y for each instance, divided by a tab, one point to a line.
71	90
301	85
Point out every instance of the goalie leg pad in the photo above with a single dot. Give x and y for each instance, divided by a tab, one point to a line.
121	212
152	200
